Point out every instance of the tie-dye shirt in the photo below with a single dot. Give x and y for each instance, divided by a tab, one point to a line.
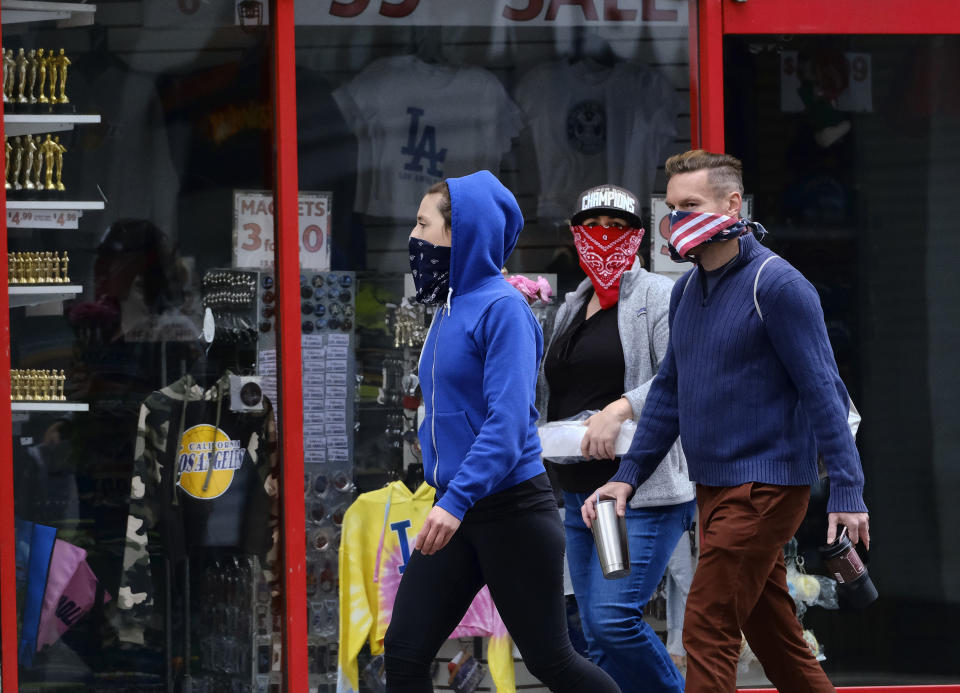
378	534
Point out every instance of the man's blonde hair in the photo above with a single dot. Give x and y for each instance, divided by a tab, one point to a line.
725	172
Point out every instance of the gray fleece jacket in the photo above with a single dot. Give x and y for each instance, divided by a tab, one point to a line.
643	319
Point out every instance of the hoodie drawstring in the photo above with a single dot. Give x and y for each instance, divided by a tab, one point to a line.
179	438
449	300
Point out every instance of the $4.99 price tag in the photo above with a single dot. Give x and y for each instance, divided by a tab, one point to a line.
253	230
42	219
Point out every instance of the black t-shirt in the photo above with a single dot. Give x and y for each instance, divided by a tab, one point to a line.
585	368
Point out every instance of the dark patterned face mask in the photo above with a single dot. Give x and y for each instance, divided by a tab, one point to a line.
430	265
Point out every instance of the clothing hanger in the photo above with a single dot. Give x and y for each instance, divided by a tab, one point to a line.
591	49
428	47
413	477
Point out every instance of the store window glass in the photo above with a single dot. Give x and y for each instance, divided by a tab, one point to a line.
146	469
553	98
850	149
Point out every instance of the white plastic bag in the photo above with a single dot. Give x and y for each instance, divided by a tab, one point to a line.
561	440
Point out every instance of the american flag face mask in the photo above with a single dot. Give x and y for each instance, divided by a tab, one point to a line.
690	229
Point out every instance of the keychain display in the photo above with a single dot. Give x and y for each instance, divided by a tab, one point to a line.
232	297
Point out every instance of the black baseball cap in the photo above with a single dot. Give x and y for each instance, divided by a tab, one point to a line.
611	200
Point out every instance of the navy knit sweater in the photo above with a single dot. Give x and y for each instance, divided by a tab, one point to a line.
751	399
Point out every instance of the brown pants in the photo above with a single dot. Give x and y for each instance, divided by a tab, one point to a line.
741	585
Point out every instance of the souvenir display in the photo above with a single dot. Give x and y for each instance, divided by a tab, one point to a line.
37	385
38	268
36	164
35	81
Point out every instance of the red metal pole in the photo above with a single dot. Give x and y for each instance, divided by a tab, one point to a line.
832	17
694	41
8	578
288	346
710	56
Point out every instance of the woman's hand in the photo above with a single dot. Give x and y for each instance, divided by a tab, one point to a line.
436	531
600	439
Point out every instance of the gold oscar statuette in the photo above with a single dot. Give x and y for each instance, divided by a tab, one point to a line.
21	76
52	69
17	161
49	148
58	155
31	153
63	62
32	76
38	164
42	62
7	151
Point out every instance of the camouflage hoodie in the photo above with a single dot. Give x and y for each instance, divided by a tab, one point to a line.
204	476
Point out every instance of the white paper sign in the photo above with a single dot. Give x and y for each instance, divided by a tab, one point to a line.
253	239
660	258
856	97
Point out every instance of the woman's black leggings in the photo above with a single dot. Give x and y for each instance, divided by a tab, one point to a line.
520	556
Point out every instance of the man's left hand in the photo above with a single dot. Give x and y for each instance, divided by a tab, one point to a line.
857	524
436	531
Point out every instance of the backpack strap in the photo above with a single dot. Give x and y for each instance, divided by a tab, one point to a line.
693	273
756	284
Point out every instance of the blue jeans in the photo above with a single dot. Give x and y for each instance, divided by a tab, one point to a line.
611	611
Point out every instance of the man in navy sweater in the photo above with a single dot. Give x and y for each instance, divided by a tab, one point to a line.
753	392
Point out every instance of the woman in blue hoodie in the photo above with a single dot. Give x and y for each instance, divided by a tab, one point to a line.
495	521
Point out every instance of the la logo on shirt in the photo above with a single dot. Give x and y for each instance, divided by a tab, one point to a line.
422	144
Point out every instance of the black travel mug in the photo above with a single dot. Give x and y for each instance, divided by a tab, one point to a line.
844	564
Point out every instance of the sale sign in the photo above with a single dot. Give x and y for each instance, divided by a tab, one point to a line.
471	12
253	235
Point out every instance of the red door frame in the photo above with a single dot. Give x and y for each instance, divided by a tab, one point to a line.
293	527
711	20
8	587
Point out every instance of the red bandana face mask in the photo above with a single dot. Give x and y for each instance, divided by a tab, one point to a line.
605	254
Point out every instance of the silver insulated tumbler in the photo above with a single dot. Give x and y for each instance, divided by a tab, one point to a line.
610	536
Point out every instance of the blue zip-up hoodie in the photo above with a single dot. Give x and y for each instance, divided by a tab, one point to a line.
478	367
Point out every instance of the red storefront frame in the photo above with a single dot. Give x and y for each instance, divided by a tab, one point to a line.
710	21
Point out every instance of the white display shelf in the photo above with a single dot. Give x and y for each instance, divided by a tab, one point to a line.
17	124
49	406
35	294
64	13
65	205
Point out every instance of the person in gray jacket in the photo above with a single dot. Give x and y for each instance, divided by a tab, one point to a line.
609	338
